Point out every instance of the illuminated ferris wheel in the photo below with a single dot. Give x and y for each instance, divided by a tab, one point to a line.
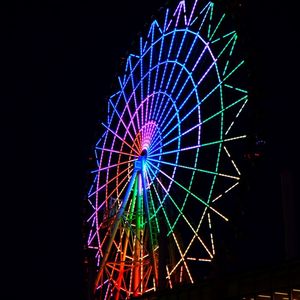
164	161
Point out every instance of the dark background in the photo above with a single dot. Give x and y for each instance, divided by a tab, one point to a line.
61	59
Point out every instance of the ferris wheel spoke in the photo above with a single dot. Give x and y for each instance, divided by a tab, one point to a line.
151	69
121	139
165	67
184	102
213	64
180	12
114	166
126	108
183	259
226	191
111	193
160	204
204	51
232	40
117	152
99	157
210	118
231	160
165	105
125	126
237	115
196	84
221	141
194	169
210	36
128	169
180	211
182	67
174	64
155	211
169	224
179	150
159	95
148	75
157	73
141	82
189	95
161	201
231	50
92	187
177	137
189	192
211	235
211	253
150	61
193	11
133	86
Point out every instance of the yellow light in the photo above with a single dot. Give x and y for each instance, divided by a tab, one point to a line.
280	293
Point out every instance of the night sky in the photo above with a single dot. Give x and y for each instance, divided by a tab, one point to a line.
63	60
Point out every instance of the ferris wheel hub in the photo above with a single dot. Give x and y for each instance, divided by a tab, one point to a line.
139	164
144	153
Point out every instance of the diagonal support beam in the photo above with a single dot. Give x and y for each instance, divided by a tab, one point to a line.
115	228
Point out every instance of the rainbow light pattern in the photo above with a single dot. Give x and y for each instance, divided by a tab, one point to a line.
164	161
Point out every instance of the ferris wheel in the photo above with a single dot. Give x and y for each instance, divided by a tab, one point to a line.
165	163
